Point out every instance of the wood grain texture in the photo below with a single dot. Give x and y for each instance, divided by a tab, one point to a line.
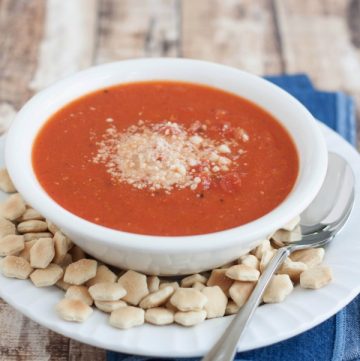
23	340
7	114
352	17
81	352
237	33
137	28
21	27
68	40
320	39
323	47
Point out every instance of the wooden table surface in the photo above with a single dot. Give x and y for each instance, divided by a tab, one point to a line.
43	41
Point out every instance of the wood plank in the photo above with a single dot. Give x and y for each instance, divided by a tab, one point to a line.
241	34
21	30
323	47
319	38
69	40
81	352
137	28
352	17
7	114
23	340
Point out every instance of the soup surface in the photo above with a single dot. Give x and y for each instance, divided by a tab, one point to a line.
165	158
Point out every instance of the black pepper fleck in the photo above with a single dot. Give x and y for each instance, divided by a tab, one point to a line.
221	200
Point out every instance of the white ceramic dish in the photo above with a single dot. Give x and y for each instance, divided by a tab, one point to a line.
302	310
167	255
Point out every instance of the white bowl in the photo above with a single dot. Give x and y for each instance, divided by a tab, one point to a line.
154	254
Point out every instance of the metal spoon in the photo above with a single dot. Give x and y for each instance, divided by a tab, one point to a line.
320	222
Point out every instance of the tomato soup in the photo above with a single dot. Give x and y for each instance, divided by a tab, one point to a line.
165	158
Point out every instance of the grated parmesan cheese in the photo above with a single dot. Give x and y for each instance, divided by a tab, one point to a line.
162	156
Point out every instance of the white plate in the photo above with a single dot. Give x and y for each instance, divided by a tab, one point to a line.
302	310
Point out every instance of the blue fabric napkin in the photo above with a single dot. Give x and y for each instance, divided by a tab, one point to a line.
338	338
335	109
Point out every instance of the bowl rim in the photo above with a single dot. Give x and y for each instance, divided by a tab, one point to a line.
254	230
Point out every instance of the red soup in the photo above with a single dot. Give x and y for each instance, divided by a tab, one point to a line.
165	158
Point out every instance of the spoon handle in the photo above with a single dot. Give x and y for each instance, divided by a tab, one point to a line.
225	347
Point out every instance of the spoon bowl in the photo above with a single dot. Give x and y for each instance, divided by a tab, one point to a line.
335	195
